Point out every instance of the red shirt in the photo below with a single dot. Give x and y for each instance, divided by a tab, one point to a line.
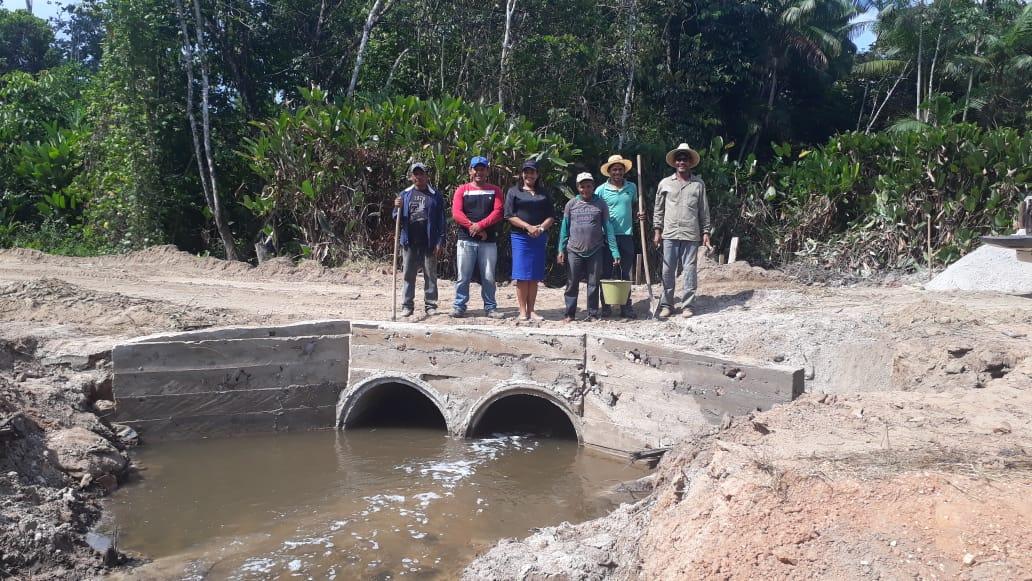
480	205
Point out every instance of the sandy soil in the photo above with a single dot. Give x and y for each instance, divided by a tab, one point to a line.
916	464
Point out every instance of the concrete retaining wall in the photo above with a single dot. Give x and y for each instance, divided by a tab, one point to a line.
620	395
232	380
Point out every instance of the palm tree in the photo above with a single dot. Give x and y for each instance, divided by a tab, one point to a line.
816	31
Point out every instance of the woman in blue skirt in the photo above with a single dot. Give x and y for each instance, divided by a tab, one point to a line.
530	211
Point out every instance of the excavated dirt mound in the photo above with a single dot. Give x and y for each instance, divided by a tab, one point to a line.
740	271
56	301
881	485
57	459
168	258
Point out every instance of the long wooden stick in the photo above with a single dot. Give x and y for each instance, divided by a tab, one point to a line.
644	240
394	266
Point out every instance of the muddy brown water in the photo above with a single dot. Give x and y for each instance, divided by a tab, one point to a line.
362	504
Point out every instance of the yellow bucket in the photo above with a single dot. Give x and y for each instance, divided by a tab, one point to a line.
615	292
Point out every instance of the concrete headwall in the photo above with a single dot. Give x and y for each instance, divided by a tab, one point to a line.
620	395
232	380
464	367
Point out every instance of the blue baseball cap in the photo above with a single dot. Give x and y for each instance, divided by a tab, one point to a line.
479	160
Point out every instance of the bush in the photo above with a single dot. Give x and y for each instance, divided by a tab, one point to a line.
331	171
862	202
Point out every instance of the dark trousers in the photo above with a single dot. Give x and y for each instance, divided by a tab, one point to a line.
414	258
584	267
625	244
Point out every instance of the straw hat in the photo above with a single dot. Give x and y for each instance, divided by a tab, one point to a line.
616	158
694	155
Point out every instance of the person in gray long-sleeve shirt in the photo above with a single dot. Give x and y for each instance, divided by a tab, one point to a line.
682	223
586	233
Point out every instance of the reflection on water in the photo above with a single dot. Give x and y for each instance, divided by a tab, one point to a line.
377	504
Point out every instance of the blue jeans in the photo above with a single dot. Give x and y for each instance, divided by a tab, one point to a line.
681	254
475	255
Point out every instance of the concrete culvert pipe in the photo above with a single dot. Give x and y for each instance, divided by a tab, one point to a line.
395	405
523	413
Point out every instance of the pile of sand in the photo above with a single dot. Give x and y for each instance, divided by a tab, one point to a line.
989	268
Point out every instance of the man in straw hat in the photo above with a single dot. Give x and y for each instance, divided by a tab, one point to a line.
621	195
682	222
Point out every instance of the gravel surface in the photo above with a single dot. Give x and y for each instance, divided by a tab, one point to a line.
989	268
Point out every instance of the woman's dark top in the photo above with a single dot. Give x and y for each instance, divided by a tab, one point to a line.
531	208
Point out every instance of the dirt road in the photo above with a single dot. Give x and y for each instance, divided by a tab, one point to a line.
909	456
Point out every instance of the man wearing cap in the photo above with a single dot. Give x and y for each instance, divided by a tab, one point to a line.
681	221
422	238
621	196
477	209
584	236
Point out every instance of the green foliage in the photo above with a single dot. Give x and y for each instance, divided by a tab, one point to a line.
26	42
54	236
863	202
97	153
41	134
137	152
331	170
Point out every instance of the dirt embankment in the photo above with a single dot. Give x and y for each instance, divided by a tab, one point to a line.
885	485
909	456
58	456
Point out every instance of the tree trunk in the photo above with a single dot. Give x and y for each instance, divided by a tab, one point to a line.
888	96
920	48
188	65
770	105
863	102
629	52
935	57
394	67
378	10
510	9
971	82
216	210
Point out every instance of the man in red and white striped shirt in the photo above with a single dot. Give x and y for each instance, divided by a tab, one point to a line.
477	209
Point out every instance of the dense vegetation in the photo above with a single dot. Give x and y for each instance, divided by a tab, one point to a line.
218	124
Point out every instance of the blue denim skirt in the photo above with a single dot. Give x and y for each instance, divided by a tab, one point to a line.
528	256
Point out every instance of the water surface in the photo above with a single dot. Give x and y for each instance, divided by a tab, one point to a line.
368	504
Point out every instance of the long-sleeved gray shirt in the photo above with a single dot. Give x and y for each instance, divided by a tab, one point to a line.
587	227
682	212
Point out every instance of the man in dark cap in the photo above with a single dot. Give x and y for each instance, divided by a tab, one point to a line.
422	238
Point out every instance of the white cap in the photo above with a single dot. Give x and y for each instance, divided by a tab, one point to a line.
584	175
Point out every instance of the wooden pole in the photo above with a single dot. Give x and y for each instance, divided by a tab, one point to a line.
644	242
929	246
394	266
